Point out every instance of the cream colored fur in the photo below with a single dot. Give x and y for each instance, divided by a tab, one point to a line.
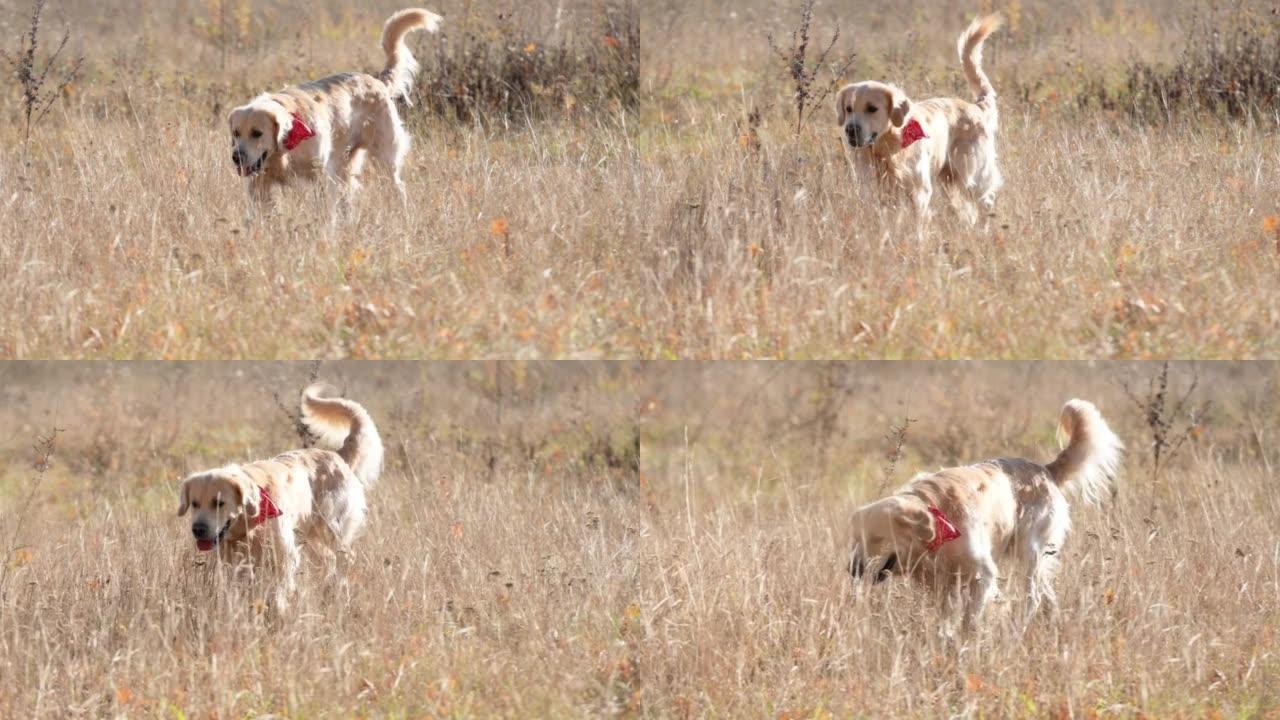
353	115
958	151
1005	508
320	494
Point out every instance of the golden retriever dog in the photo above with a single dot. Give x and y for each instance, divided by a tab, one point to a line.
947	529
263	512
900	146
329	125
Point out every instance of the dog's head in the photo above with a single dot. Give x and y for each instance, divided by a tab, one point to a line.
867	110
888	535
258	131
216	499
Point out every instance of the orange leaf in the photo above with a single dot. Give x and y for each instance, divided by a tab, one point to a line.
611	41
499	228
1271	223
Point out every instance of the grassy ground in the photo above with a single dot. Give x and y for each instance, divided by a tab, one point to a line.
683	230
1113	237
127	223
500	557
1171	613
515	567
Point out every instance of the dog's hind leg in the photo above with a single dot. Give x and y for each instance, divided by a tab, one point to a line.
388	142
1038	550
985	180
344	513
344	174
1039	583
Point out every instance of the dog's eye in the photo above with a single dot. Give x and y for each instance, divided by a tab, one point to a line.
871	108
235	133
195	505
255	134
218	503
848	108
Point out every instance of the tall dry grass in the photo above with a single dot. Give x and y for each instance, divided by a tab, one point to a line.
712	584
499	556
1112	237
752	613
127	226
688	229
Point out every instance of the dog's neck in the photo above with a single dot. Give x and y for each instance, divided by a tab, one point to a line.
884	156
888	144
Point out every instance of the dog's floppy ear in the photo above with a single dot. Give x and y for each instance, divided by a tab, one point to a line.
899	106
841	104
281	117
917	522
184	497
249	495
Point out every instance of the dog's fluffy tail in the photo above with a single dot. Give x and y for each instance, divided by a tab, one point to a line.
970	47
401	65
1091	456
344	426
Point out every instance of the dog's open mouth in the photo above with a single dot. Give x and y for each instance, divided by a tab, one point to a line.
254	169
207	545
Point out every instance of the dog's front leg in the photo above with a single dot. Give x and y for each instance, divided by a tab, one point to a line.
259	192
921	196
287	557
982	587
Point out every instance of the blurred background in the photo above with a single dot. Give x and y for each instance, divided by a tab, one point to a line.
492	61
850	431
129	431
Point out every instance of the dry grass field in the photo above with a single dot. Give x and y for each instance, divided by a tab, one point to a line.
749	611
126	234
1115	236
501	558
518	565
586	229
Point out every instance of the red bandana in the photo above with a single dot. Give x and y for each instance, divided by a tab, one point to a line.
911	133
298	132
944	530
266	510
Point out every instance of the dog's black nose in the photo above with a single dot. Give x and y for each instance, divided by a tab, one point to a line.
236	157
200	530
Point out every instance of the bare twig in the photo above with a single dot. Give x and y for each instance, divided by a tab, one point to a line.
307	437
37	100
804	75
1169	427
896	437
44	447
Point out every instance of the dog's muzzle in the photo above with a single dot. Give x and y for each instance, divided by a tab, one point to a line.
246	168
857	137
205	538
